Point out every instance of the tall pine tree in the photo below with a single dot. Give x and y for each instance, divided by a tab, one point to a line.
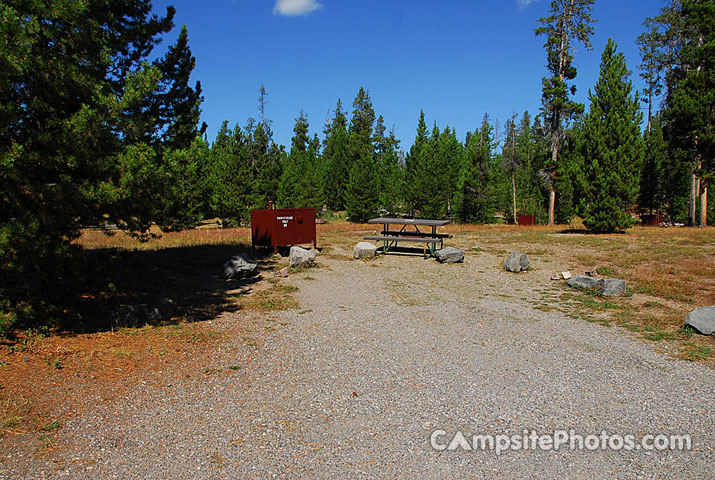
362	195
569	22
612	147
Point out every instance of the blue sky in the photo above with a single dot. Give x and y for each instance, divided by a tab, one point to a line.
456	59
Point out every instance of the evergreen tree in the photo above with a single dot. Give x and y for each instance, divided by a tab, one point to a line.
691	101
230	175
289	190
612	148
266	158
511	162
651	196
475	189
569	21
184	201
78	122
530	151
335	160
389	173
179	102
362	197
416	168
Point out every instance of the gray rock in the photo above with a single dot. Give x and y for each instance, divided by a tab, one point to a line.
300	256
364	250
140	314
612	287
516	262
239	266
282	273
702	320
449	255
609	287
582	281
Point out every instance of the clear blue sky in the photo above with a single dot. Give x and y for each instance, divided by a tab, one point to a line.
456	59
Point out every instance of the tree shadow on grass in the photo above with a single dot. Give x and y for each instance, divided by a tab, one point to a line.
190	276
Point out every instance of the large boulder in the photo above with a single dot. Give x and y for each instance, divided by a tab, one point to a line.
582	281
449	255
239	266
517	262
612	287
300	256
364	250
702	320
140	314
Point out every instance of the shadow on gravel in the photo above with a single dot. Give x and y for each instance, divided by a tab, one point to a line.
190	276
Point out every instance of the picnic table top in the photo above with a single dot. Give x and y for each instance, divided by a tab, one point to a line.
409	221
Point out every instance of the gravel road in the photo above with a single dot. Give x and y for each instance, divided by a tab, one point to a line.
380	355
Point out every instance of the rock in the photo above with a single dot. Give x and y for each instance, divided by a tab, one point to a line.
702	320
364	250
140	314
516	262
566	275
300	256
239	266
282	273
582	281
612	287
555	276
609	287
449	255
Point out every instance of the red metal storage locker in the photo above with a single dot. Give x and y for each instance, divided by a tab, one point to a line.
283	227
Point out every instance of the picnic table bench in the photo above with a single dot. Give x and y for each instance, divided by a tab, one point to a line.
427	238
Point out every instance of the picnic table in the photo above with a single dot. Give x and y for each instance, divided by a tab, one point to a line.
428	237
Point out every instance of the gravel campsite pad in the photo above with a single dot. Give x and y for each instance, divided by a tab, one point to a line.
378	357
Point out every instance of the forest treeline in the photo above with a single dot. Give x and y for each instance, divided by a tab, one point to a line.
95	129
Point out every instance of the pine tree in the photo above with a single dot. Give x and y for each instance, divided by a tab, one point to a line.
416	165
511	161
389	173
652	189
179	103
569	21
612	148
75	85
691	101
230	174
289	190
361	198
474	198
335	160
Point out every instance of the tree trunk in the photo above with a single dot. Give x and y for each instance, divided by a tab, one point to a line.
693	198
513	186
704	205
552	204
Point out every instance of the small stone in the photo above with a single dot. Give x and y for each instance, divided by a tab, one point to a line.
555	276
702	320
364	250
566	275
449	255
517	262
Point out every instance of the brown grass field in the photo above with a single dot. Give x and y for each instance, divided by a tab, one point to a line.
669	271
